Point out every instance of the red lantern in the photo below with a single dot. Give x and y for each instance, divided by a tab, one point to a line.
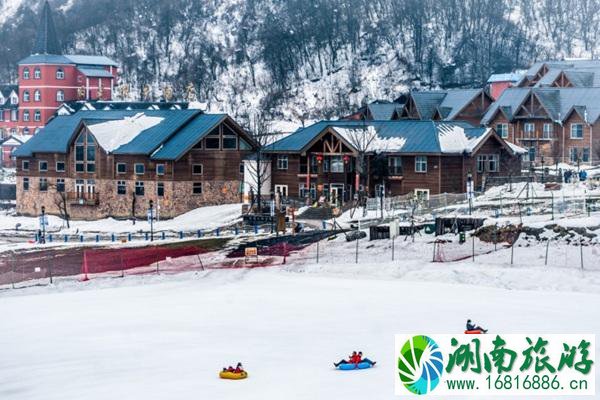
319	158
346	159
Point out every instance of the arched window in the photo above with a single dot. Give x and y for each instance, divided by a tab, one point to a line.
60	74
37	96
37	73
26	95
26	115
25	73
60	95
37	116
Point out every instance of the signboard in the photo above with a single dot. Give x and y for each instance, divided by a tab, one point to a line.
251	252
393	229
257	219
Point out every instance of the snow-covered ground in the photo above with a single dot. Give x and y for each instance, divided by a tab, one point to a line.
157	337
201	218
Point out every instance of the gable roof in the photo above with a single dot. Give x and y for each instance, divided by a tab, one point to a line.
159	134
74	59
402	136
558	102
507	77
446	104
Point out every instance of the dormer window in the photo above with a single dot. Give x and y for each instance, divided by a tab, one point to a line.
37	74
37	96
26	96
14	99
60	74
25	73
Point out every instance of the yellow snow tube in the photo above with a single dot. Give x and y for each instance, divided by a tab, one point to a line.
233	375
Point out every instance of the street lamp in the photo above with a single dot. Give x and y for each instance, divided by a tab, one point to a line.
470	191
151	218
43	223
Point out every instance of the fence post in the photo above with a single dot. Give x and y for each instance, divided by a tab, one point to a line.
66	238
146	235
50	238
284	252
218	231
256	229
97	238
50	269
434	244
81	238
393	241
157	261
473	245
122	267
199	233
512	253
496	236
581	252
357	239
236	231
112	237
324	225
162	234
129	237
547	246
180	235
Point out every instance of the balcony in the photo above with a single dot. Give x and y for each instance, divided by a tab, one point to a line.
83	199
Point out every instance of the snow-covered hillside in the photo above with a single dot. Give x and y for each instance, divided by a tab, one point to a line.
296	60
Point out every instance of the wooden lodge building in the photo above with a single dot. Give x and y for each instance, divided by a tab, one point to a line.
554	124
400	157
438	105
112	163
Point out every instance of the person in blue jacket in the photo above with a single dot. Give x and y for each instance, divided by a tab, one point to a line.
472	327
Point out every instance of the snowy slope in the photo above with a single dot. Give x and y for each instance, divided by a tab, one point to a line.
145	338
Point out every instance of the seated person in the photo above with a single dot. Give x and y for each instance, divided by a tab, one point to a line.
351	360
360	359
238	369
472	327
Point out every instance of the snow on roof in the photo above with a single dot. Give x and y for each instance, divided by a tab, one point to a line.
113	134
454	139
16	140
359	139
515	148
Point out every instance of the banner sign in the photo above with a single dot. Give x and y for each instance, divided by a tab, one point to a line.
495	365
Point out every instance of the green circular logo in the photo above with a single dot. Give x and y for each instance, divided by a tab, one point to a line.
420	364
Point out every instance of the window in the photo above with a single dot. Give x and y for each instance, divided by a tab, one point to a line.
160	169
302	190
548	131
121	168
37	95
326	164
481	160
585	154
576	131
26	96
43	184
574	155
282	162
85	153
229	139
25	184
160	189
529	130
139	169
213	141
282	190
422	194
43	166
60	95
60	185
60	166
60	74
197	188
244	145
37	73
139	188
25	165
122	188
25	73
532	154
26	115
502	130
493	162
241	168
37	116
26	131
196	169
395	165
337	164
14	116
421	164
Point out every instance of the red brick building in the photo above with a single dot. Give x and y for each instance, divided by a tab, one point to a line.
47	79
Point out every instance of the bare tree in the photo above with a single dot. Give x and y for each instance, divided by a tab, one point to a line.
60	200
259	169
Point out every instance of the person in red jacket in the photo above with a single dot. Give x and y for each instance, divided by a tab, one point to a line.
360	359
351	360
238	369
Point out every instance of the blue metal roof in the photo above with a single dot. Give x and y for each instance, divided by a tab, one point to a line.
91	60
56	136
421	136
95	72
68	59
152	138
188	136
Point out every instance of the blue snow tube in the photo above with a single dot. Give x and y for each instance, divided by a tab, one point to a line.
348	367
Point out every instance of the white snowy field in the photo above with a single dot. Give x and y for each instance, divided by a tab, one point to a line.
159	337
209	217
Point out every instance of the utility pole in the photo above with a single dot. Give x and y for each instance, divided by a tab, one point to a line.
470	191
